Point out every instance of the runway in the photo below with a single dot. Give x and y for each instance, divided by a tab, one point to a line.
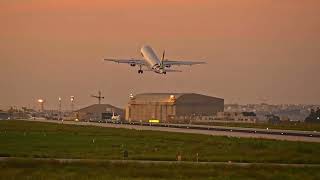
285	135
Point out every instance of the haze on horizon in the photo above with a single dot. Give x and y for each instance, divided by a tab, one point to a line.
255	49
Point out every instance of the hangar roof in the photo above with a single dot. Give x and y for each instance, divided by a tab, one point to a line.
98	108
156	97
159	97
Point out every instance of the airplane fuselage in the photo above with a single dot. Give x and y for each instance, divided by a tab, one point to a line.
152	59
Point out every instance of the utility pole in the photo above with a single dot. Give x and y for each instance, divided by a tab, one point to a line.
60	108
99	97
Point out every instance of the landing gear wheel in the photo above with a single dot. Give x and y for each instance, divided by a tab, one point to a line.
140	71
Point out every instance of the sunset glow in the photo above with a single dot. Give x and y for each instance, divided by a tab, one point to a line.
254	48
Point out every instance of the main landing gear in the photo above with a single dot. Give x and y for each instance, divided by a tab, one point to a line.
140	71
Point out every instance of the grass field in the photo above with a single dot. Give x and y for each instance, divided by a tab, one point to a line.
35	139
283	125
29	169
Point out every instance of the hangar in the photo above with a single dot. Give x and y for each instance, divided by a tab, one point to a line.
97	112
168	107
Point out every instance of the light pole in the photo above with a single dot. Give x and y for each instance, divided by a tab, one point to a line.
41	103
72	103
60	108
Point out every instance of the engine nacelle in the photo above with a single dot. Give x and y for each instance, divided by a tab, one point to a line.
168	66
132	65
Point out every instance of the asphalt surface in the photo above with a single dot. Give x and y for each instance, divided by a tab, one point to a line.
286	135
63	160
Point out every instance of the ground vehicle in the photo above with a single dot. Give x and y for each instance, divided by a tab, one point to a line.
111	117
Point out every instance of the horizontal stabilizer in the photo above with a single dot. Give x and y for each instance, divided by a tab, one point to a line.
172	70
181	63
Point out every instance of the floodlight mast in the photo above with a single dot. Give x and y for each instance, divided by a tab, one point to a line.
41	103
72	103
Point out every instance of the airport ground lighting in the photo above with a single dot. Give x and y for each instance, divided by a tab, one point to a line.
172	98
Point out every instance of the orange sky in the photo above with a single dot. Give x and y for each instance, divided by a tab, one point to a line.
255	49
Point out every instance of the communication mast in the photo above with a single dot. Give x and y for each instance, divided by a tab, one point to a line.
99	97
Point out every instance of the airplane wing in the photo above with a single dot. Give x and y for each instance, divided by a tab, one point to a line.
132	62
180	63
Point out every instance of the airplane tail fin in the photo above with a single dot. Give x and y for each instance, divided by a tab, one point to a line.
162	59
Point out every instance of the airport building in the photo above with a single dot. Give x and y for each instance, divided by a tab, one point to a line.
169	107
235	117
4	115
98	112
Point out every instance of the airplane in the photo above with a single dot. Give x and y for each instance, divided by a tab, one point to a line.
151	61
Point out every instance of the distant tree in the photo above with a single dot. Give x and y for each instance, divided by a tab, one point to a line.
314	116
249	114
11	110
312	112
25	109
273	119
